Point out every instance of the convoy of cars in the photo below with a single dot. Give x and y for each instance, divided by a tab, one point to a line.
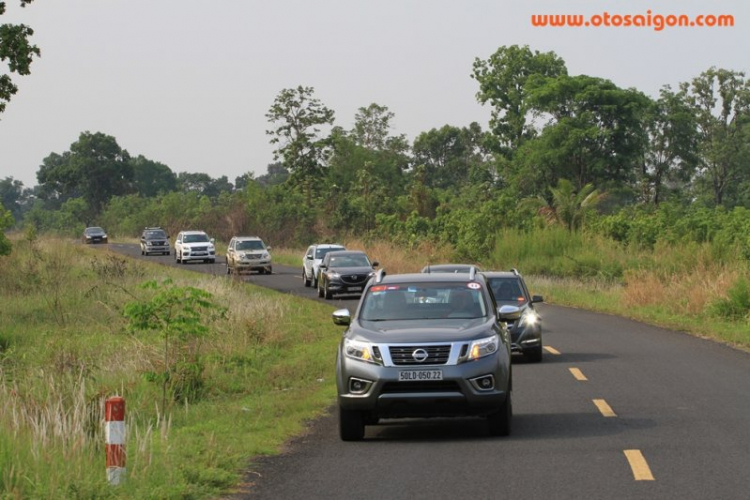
312	259
436	343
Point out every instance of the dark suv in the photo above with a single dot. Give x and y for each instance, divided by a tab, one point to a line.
344	272
154	240
424	345
525	327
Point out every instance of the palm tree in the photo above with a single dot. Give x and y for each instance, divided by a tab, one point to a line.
568	207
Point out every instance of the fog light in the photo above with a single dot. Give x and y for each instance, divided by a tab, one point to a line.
485	383
359	386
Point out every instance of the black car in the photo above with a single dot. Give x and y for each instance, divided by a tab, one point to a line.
424	345
344	272
92	235
449	268
154	240
509	288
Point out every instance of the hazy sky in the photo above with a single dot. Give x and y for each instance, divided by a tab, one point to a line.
188	82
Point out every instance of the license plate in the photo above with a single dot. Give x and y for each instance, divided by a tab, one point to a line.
411	375
354	288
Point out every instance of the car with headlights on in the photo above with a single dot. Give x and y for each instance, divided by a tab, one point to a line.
424	345
449	268
344	271
312	259
154	240
194	245
248	253
93	235
509	288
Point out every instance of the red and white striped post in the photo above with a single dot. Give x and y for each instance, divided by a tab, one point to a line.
114	431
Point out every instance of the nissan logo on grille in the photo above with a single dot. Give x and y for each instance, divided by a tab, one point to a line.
419	355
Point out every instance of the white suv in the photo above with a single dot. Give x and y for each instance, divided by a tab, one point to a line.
246	253
194	245
312	259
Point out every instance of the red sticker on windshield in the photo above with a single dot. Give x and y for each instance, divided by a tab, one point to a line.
474	286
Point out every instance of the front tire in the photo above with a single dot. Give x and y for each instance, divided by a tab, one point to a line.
351	425
499	421
327	293
306	281
177	258
320	291
533	355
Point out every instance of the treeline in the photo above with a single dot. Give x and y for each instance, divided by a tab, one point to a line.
559	149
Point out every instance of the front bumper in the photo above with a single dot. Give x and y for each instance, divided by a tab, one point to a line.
523	338
155	248
250	264
455	395
207	255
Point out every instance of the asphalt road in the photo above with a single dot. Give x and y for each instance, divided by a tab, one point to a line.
617	410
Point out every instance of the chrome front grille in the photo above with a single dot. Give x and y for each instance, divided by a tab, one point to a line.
404	355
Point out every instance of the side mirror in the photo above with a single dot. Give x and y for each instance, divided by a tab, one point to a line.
212	240
322	266
268	248
341	317
508	313
537	298
309	257
375	264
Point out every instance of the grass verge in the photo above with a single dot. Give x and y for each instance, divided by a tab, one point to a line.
265	369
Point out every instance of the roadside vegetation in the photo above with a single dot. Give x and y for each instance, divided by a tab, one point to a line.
603	197
73	331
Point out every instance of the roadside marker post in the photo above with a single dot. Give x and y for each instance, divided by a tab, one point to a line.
114	432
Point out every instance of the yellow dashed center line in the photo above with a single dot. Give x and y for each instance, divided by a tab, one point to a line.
578	374
604	408
641	470
551	350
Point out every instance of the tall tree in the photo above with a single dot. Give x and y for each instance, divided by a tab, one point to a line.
372	127
502	83
721	101
670	155
151	177
17	52
296	117
595	133
95	168
14	197
450	154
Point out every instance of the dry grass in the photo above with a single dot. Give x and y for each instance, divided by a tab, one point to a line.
683	293
397	259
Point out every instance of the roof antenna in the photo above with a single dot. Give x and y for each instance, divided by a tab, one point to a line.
472	273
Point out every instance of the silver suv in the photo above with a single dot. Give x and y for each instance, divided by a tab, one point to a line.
194	245
154	240
248	253
424	345
312	259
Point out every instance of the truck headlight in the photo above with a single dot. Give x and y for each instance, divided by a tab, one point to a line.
483	347
363	351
